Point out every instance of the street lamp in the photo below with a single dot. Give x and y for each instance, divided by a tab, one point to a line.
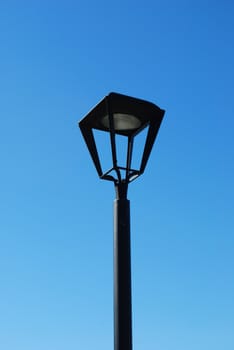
124	116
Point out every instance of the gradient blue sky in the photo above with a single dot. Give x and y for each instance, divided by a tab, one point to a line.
57	60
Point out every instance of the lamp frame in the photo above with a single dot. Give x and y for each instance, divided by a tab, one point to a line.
148	114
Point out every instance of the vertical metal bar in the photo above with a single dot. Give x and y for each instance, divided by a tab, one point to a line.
129	156
122	276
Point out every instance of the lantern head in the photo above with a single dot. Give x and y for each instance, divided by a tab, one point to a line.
126	116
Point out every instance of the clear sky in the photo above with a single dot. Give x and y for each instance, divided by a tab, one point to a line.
57	60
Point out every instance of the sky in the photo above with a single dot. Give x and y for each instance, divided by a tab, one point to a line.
57	60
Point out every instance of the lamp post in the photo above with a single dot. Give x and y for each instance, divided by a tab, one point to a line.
124	116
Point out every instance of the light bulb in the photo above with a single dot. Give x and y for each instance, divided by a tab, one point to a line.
122	122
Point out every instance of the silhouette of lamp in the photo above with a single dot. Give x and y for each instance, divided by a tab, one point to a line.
120	115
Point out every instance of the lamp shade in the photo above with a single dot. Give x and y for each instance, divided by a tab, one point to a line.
122	122
126	116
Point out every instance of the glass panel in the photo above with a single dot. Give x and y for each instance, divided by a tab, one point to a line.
121	150
103	145
138	148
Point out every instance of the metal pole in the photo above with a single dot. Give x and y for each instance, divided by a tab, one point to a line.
122	271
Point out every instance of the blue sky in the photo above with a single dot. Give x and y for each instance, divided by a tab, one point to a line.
58	59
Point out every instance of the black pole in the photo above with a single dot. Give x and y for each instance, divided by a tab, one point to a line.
122	271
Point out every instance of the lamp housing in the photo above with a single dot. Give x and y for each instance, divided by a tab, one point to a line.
126	116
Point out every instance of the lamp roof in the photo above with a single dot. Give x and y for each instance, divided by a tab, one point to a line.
117	104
